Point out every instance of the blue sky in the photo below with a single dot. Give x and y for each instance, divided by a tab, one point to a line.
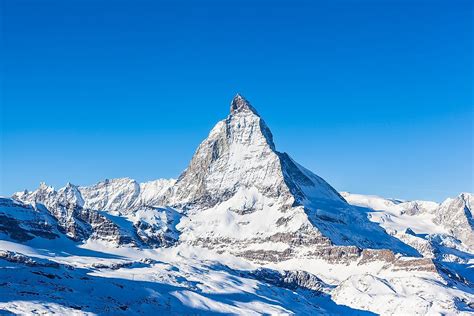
374	96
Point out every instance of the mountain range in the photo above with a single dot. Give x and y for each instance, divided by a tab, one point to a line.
244	229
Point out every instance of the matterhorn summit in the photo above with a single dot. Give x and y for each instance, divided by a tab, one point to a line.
239	104
239	154
244	229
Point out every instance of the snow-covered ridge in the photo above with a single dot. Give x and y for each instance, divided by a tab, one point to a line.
114	195
452	217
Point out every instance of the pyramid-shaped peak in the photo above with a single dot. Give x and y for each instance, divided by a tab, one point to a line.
238	155
240	104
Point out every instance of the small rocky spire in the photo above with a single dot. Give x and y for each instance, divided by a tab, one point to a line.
240	104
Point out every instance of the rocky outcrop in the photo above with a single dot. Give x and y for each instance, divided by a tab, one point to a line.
336	254
145	226
19	258
397	262
293	280
24	222
156	227
265	256
73	219
456	215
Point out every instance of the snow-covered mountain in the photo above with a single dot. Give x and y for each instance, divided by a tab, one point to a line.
244	229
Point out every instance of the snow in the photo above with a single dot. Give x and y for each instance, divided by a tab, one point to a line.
421	217
398	296
187	279
224	220
220	238
396	220
171	282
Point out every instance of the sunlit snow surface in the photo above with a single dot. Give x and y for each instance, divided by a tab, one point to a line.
61	276
243	230
97	279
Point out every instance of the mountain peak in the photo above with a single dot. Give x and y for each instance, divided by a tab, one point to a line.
239	155
240	104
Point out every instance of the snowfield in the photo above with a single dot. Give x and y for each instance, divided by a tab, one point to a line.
244	230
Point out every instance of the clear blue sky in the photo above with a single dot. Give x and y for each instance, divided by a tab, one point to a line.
374	96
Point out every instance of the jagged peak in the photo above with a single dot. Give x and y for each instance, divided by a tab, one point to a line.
44	187
69	185
240	104
466	195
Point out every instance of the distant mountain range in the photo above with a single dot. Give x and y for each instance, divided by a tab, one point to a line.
244	230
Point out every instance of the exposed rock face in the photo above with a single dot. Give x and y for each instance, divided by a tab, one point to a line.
456	215
240	104
24	222
417	207
339	254
398	262
14	257
331	254
156	227
147	225
75	221
424	246
239	153
292	280
80	212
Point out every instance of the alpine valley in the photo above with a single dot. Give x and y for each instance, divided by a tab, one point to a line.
245	230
